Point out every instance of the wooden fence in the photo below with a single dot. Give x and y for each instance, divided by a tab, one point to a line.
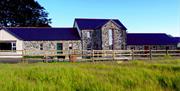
91	55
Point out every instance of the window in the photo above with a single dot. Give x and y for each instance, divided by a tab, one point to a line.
154	48
88	34
13	46
110	33
178	45
88	48
70	46
167	47
41	46
132	48
59	48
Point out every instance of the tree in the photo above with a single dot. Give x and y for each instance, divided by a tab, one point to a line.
23	13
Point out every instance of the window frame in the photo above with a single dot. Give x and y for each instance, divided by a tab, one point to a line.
88	34
110	38
70	46
13	46
41	46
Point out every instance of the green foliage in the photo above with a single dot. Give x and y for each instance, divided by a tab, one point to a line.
163	75
23	13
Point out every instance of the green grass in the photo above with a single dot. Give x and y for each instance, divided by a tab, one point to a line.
161	75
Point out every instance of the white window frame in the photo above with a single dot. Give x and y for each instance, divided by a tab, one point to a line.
178	45
88	34
110	34
13	46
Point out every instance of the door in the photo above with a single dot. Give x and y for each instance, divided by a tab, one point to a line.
146	49
59	48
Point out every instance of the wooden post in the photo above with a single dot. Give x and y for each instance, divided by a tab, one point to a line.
23	55
150	54
46	58
132	53
113	55
22	60
167	53
93	55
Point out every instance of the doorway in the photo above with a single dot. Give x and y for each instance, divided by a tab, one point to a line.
146	47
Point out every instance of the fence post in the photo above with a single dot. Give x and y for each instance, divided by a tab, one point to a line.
150	54
132	53
113	55
46	58
167	53
93	55
23	56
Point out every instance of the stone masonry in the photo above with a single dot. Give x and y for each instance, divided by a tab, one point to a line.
99	39
49	47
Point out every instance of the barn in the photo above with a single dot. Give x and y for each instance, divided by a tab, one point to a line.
154	41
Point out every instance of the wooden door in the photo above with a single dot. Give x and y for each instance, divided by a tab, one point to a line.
146	49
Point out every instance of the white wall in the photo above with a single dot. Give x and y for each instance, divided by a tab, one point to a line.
178	45
76	26
6	36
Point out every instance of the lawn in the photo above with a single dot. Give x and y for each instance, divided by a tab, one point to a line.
161	75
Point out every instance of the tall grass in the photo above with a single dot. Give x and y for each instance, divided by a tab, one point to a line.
103	76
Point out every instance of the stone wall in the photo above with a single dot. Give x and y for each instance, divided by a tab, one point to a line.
87	42
99	39
119	37
33	47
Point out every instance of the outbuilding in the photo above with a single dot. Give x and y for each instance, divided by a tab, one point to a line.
38	39
154	41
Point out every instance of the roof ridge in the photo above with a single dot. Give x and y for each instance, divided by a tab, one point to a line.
147	33
44	34
97	18
41	27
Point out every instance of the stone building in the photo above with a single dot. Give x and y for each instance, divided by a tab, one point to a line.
177	39
154	41
38	40
101	34
86	34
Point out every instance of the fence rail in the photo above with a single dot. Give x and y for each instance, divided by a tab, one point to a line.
90	55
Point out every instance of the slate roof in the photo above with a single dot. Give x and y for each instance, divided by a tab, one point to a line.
150	39
86	24
44	34
177	39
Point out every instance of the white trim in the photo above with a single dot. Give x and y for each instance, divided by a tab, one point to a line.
5	36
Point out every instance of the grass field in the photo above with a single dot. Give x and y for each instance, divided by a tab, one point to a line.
161	75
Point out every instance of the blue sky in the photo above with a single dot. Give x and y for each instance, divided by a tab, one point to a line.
144	16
